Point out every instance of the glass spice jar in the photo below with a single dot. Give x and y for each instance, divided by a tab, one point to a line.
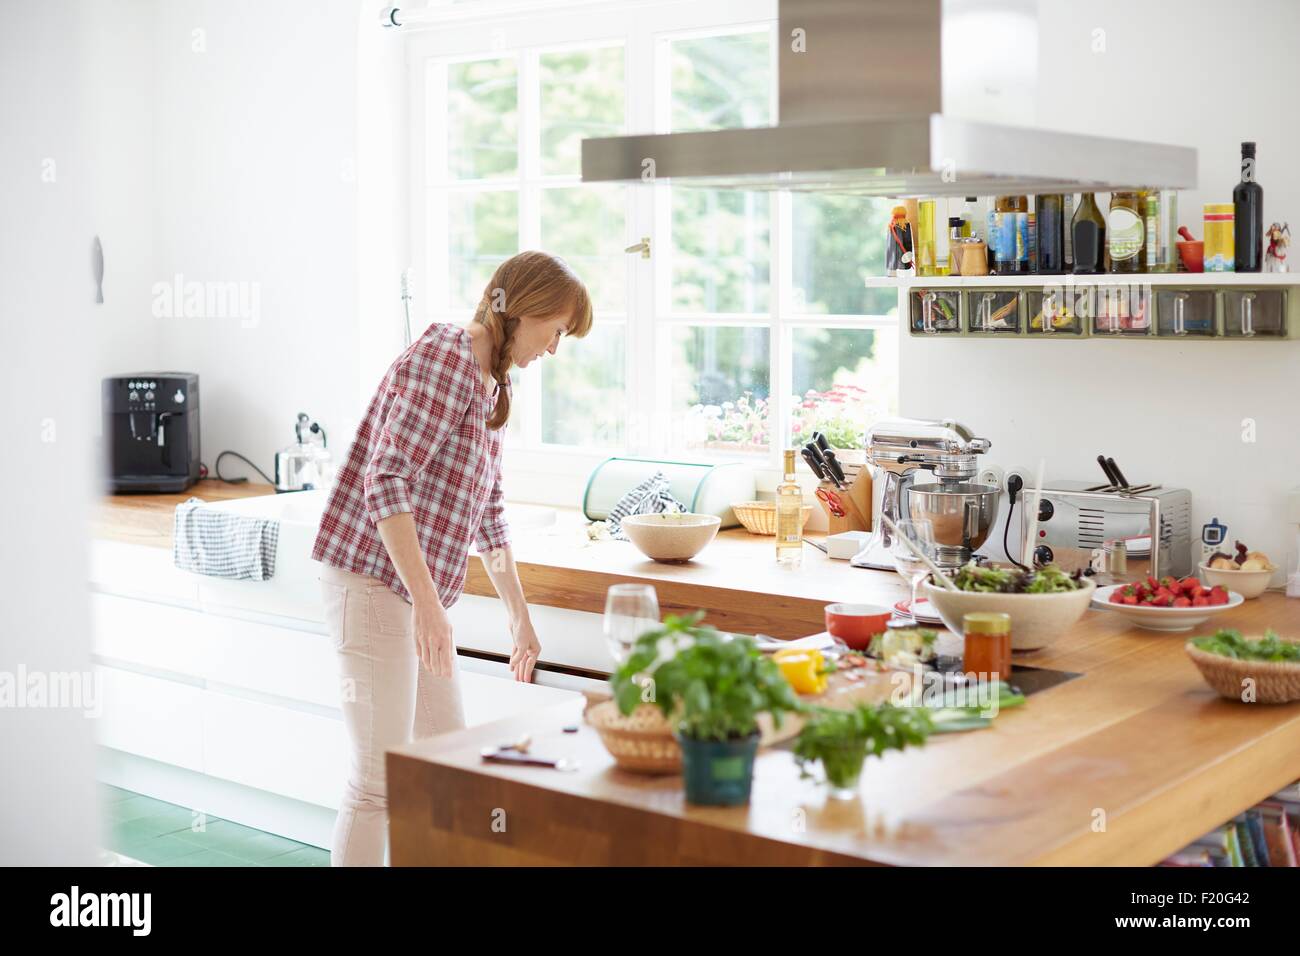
987	653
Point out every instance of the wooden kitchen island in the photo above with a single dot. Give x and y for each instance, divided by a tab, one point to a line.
1123	765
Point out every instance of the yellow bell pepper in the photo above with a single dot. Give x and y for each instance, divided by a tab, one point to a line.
803	668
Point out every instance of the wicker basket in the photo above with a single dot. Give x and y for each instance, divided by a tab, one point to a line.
1276	682
759	517
641	742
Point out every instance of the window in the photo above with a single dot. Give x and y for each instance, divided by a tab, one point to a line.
750	324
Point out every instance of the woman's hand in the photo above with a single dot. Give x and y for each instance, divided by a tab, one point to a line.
433	641
526	650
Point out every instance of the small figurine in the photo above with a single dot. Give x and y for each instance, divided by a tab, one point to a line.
1279	237
899	258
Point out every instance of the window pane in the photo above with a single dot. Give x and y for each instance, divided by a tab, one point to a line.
581	96
482	119
584	401
720	387
584	225
723	81
838	241
721	250
483	231
844	379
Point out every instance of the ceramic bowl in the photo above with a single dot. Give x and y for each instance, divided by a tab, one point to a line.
671	538
1037	620
856	624
1162	618
1249	584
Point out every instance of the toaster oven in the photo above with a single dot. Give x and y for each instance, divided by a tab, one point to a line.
1079	521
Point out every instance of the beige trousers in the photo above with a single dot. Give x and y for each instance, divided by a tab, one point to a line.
387	698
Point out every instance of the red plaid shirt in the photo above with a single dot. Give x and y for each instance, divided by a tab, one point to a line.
424	447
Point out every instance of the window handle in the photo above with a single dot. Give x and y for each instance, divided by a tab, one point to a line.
642	247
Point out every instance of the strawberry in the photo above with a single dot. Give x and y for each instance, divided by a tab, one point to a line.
1131	600
1181	601
1218	595
1200	601
1190	584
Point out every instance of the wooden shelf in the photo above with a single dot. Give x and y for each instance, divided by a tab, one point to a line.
1187	279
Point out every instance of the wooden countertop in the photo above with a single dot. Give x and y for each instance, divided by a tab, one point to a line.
147	518
1124	765
736	578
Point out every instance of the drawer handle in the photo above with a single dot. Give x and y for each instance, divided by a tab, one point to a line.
1248	314
927	311
1180	326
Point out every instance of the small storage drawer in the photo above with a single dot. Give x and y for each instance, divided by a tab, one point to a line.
1185	312
1252	312
995	311
936	311
1052	312
1122	310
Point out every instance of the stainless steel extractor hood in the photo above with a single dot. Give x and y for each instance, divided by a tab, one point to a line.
899	98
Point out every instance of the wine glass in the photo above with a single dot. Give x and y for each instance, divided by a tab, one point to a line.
920	532
630	611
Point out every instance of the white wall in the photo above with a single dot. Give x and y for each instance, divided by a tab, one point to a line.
255	166
1167	412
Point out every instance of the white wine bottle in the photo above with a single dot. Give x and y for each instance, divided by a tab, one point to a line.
789	516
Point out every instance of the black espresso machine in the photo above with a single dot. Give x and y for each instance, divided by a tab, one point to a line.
151	431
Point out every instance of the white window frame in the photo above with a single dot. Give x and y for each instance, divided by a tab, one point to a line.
644	28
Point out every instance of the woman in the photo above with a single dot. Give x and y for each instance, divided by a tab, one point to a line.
422	482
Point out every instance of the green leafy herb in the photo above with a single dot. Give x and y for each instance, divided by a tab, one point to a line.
841	739
1228	642
711	686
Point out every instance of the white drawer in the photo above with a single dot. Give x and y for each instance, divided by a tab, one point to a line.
285	662
285	751
151	717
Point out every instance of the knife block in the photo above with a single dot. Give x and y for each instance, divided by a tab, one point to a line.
858	480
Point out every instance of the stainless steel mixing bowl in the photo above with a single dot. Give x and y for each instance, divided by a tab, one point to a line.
962	515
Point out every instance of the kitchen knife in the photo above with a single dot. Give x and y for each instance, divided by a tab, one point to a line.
816	453
821	441
833	466
510	755
813	463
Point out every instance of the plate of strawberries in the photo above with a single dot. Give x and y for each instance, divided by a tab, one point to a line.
1168	603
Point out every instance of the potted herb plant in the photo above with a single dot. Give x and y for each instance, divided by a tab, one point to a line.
712	688
841	740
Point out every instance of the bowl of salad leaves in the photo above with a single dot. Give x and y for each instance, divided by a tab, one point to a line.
1262	670
1043	603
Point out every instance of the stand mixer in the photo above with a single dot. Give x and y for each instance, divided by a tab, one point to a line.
961	512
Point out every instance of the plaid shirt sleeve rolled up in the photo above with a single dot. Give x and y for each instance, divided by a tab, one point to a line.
423	446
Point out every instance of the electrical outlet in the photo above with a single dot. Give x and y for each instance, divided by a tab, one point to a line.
991	475
1027	476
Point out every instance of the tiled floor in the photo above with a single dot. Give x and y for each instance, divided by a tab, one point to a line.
163	834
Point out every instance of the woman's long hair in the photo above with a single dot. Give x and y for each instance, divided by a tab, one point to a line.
531	284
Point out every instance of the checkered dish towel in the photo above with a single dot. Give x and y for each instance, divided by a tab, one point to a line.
223	545
650	497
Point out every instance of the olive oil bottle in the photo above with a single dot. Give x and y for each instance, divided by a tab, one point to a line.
789	516
1125	233
1088	237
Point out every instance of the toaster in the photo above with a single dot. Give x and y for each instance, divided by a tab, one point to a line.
1079	520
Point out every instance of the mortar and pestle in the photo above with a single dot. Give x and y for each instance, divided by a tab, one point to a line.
1192	251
